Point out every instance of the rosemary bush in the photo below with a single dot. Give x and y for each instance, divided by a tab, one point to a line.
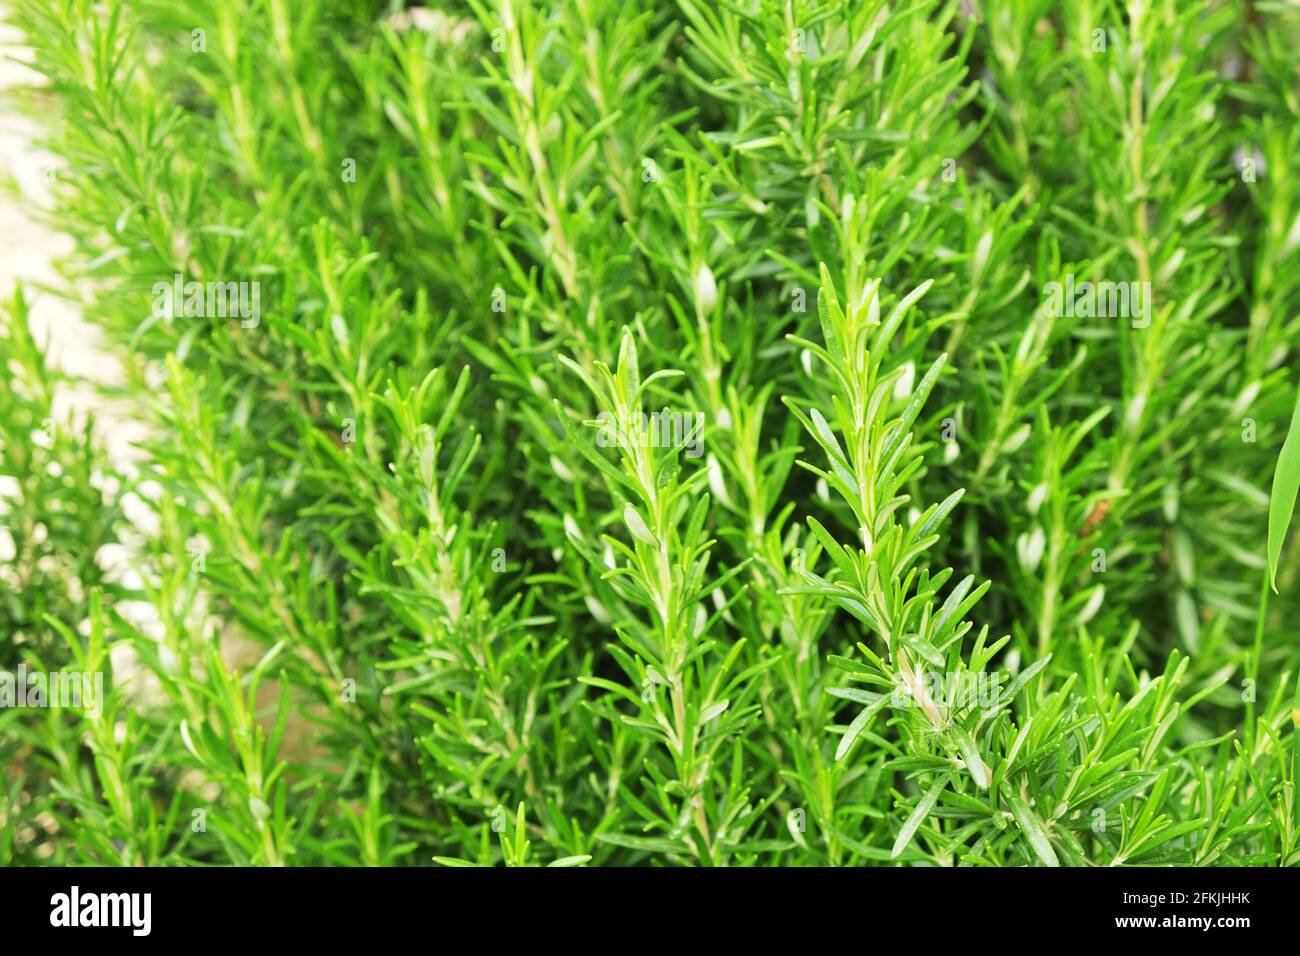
758	433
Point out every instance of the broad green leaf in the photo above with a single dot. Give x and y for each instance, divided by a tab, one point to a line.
1281	501
859	724
975	765
1032	827
917	816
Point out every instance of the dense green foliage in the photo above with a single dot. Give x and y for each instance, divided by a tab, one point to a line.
427	584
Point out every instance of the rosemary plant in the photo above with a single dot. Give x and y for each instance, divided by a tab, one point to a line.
768	433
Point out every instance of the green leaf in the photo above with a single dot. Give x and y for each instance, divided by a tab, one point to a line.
970	755
636	524
917	816
1282	498
1032	827
859	724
